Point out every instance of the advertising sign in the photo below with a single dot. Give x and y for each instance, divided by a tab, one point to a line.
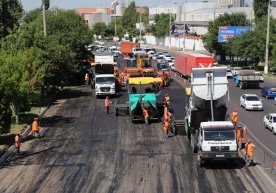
227	32
178	29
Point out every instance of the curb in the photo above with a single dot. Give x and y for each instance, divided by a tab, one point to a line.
24	135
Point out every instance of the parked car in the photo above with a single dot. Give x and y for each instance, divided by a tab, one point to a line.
159	59
154	57
269	92
229	73
167	57
261	76
270	122
235	70
251	102
173	59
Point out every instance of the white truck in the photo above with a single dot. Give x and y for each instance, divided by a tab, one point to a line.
105	83
211	136
136	51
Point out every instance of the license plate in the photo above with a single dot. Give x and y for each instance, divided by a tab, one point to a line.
219	155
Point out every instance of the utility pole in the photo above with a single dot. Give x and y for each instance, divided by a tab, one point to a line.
44	19
140	26
115	26
267	39
170	29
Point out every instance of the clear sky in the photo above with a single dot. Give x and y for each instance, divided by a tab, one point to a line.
71	4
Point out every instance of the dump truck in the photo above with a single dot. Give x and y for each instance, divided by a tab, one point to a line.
210	133
142	94
247	79
144	64
127	48
105	82
185	62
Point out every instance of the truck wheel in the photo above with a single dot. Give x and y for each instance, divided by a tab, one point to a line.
116	112
200	161
193	144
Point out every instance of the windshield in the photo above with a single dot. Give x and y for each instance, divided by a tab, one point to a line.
146	63
252	98
219	135
105	79
274	119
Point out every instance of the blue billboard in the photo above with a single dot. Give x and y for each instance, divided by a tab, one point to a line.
227	32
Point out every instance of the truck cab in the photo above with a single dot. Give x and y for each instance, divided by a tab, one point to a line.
216	141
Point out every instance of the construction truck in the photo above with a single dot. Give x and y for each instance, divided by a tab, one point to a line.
105	82
211	135
129	48
131	69
247	79
144	64
143	92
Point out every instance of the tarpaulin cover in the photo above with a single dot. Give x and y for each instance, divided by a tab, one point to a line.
135	99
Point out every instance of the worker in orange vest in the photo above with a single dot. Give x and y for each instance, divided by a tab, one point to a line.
249	151
165	109
239	135
35	127
17	142
107	104
167	116
146	115
86	78
234	117
167	100
116	70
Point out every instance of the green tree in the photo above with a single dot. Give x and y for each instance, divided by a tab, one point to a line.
260	8
130	18
145	17
32	15
161	28
211	38
99	29
46	3
10	12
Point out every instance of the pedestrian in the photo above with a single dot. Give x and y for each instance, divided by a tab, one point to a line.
146	115
167	100
239	135
234	117
107	104
250	149
165	110
17	142
36	128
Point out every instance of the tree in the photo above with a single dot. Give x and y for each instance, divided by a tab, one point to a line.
32	15
99	29
46	4
161	28
130	19
211	38
260	8
10	12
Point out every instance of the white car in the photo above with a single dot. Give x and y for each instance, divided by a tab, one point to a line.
167	57
270	122
154	57
251	102
171	63
173	59
235	70
229	73
159	59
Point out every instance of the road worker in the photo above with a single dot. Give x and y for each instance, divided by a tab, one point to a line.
167	116
167	100
86	78
116	70
239	135
165	110
234	117
17	142
107	104
35	127
249	151
146	115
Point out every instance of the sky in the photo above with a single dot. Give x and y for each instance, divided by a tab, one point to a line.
72	4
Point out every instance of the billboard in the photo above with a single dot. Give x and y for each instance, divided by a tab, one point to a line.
178	29
227	32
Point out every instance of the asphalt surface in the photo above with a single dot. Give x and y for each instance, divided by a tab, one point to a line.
85	150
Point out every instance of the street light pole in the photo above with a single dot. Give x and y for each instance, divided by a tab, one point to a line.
267	39
44	19
115	26
140	25
170	29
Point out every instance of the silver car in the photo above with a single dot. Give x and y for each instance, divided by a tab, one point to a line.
251	102
270	122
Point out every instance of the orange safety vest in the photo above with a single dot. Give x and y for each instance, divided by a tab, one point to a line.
239	135
106	103
234	117
17	141
145	113
167	117
166	126
250	149
86	76
167	98
165	110
35	126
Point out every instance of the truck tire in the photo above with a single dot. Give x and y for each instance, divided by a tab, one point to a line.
116	112
193	143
